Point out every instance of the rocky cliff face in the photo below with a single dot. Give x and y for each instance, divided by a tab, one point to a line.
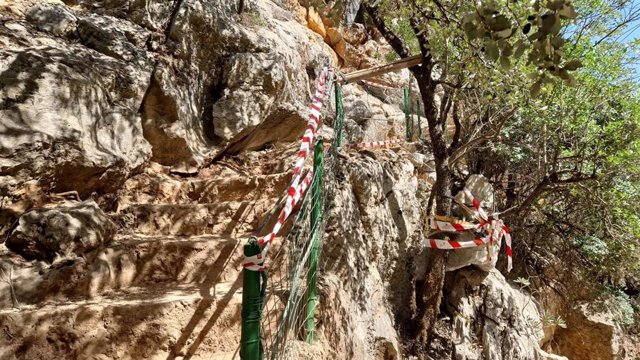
142	141
92	91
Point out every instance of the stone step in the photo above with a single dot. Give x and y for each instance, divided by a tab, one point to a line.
155	190
133	261
224	218
139	323
139	260
130	261
247	188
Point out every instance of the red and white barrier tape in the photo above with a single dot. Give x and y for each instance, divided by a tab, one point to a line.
375	144
296	188
256	262
314	120
493	228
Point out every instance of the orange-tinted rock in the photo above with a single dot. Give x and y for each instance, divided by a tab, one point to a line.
332	36
314	22
341	48
355	34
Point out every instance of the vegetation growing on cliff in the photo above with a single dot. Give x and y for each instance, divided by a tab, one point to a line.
543	97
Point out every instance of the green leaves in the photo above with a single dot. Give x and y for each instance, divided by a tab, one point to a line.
494	26
520	48
492	50
535	88
567	11
573	65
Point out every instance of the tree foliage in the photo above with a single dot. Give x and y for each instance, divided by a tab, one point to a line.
542	98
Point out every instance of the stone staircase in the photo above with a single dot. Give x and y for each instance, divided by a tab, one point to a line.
168	286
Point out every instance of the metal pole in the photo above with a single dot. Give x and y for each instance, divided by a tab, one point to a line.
316	218
419	120
252	298
411	116
406	114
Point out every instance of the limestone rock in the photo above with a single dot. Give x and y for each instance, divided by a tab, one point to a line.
68	114
211	101
355	34
314	22
351	8
326	133
492	320
341	49
152	14
53	18
335	40
373	217
243	75
299	13
333	36
484	257
591	333
115	38
359	111
67	231
368	118
420	161
355	57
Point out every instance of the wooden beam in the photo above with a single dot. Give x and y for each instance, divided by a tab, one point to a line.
383	69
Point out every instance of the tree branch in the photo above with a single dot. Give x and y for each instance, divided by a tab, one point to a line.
455	142
457	154
396	43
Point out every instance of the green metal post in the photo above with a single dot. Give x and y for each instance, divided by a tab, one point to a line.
316	218
406	114
252	298
412	123
419	120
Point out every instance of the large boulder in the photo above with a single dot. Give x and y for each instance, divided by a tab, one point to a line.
61	232
373	220
231	82
493	320
484	257
356	34
241	107
53	18
69	114
314	22
90	93
593	333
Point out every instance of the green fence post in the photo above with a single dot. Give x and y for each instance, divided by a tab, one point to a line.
419	120
316	218
412	123
252	298
406	114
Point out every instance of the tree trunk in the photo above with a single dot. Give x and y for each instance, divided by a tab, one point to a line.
428	291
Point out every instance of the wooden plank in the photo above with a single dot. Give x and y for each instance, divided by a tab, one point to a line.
383	69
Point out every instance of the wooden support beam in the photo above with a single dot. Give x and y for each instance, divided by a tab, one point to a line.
383	69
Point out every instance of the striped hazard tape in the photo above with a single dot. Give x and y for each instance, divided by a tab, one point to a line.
375	144
494	231
297	187
256	262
